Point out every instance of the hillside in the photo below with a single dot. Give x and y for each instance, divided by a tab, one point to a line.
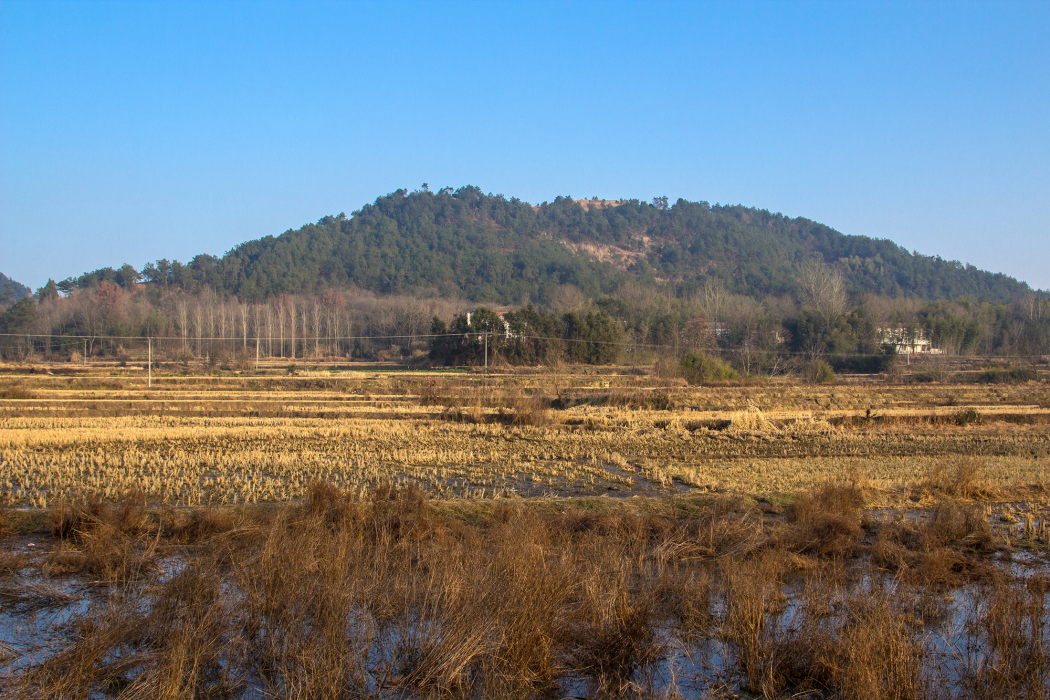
14	292
489	248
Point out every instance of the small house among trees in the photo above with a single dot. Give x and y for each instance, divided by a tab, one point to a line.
907	339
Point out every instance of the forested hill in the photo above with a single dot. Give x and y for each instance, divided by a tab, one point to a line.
489	248
11	291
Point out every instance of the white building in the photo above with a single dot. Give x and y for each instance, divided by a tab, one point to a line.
907	339
717	328
502	317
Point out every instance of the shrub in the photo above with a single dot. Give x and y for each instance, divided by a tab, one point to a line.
16	391
820	372
967	416
864	364
697	367
244	361
1007	375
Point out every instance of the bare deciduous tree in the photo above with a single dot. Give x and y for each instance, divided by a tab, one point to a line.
315	314
822	289
696	334
646	301
567	297
713	299
198	323
243	309
183	316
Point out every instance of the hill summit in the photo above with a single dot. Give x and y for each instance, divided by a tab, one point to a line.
493	249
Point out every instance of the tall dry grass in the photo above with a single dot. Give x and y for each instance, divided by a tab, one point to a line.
391	595
113	541
1009	643
826	521
962	477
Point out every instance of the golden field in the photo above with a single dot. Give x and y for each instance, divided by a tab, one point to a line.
191	440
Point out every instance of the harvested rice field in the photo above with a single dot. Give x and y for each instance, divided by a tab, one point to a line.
198	440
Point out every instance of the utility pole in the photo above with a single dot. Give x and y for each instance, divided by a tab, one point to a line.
486	352
256	354
149	364
85	352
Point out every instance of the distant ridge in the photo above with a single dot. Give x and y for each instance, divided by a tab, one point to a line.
493	249
19	291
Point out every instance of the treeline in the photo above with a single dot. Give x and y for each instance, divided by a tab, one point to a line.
527	337
495	250
108	320
756	335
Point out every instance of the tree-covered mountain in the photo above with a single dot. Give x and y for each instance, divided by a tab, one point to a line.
11	291
488	248
580	278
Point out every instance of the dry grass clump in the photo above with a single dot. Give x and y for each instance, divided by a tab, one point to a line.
402	578
12	563
666	368
825	522
202	524
754	601
171	648
868	652
109	541
725	532
614	633
634	530
841	640
295	608
1010	642
539	590
334	506
76	519
751	420
685	595
943	551
843	500
960	525
963	477
895	546
535	412
438	393
532	410
622	397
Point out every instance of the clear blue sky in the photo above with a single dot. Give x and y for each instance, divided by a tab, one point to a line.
132	131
